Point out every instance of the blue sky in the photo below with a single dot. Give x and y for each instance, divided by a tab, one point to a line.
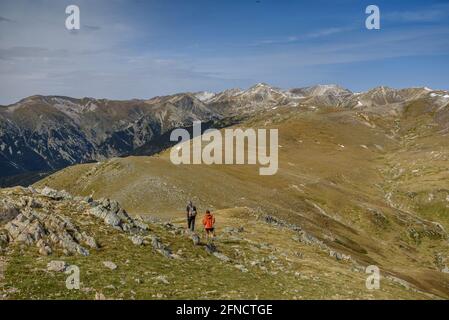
139	49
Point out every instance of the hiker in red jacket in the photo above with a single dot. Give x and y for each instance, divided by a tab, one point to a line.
208	223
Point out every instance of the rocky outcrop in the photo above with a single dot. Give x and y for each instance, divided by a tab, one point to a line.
113	215
45	219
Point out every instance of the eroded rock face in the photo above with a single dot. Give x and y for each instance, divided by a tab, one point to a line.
46	231
52	220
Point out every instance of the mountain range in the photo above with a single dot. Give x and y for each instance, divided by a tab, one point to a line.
41	134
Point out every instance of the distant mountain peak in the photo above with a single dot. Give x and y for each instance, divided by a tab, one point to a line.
204	95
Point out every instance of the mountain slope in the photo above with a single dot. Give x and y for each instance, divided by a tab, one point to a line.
345	177
46	133
255	257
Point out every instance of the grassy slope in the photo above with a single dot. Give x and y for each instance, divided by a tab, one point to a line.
289	271
337	193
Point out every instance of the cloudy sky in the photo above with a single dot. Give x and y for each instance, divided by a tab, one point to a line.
139	49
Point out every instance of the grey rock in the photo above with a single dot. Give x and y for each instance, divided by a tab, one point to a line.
137	240
161	279
141	225
110	265
233	230
112	219
55	195
156	243
7	212
211	248
195	238
337	255
99	212
45	251
57	266
114	206
241	268
160	247
4	240
89	240
222	257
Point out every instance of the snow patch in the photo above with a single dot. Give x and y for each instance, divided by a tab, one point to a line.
204	95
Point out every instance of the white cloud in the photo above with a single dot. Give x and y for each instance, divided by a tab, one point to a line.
38	55
306	36
434	13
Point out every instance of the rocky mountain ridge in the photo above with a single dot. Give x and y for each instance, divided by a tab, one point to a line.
47	133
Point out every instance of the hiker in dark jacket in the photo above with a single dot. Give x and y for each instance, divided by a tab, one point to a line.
191	215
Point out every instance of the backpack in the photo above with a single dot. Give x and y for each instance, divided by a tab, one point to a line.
192	211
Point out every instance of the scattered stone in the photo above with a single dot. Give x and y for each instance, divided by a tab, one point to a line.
222	257
137	240
337	255
99	296
280	223
57	266
141	225
110	265
45	251
241	268
233	230
402	282
112	219
110	287
162	279
195	238
211	248
90	241
160	247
